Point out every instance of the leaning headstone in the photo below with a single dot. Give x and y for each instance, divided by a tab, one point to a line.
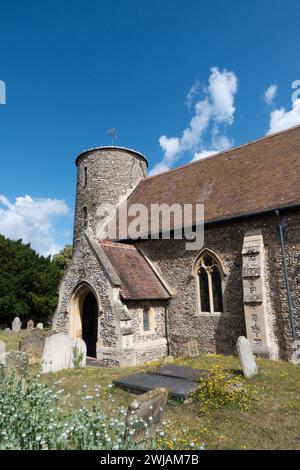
30	324
16	325
33	345
40	326
192	348
144	412
57	354
246	357
14	362
79	353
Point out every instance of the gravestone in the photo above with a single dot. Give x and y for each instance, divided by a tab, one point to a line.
78	353
14	362
144	412
7	331
2	351
246	357
40	326
37	332
52	332
192	348
30	325
33	345
58	353
16	325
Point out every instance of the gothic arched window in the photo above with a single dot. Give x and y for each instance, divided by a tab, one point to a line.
208	273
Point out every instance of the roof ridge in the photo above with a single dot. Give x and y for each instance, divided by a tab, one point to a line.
251	142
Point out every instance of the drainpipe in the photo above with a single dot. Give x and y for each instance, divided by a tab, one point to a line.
166	327
287	283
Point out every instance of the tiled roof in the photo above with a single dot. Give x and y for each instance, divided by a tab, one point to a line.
138	280
257	177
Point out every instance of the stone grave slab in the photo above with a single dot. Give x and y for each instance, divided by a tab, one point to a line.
178	388
182	372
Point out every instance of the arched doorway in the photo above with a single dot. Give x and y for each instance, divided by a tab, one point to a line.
89	319
84	311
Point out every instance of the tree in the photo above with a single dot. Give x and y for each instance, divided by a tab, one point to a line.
28	282
63	258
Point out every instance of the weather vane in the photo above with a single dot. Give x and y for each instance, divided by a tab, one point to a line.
112	133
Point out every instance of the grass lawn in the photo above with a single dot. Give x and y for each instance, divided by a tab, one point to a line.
273	423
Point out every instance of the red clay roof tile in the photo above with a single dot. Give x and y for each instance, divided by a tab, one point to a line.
137	277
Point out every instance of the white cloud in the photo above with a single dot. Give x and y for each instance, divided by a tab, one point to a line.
203	154
281	118
215	110
218	143
31	219
192	93
270	93
170	145
222	89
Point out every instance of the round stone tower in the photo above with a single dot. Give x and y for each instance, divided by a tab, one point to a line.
105	175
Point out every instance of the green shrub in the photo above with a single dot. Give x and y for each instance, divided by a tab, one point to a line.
77	357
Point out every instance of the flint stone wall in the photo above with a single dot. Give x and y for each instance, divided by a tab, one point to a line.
85	266
219	333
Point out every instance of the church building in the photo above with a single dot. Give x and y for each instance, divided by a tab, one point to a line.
134	300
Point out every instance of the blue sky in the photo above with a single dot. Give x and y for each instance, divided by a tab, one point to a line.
73	69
